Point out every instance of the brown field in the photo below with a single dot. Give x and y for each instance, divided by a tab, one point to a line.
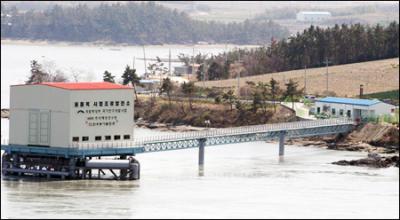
344	80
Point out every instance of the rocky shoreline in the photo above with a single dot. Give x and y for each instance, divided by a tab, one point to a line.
373	160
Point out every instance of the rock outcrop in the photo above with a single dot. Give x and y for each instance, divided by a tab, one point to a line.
373	160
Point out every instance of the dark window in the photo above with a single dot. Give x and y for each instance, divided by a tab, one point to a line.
349	113
100	104
82	104
117	137
106	103
76	104
122	103
111	103
117	103
127	136
127	103
75	139
318	110
333	111
85	138
97	138
87	104
107	138
94	103
341	112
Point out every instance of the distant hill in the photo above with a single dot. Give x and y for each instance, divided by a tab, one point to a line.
344	80
135	23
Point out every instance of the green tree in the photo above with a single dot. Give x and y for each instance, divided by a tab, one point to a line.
108	77
274	91
230	98
129	76
263	90
292	91
189	89
167	87
257	101
37	74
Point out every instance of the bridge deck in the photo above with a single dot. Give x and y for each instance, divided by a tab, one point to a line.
191	139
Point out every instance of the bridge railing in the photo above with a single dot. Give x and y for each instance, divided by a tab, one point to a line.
212	132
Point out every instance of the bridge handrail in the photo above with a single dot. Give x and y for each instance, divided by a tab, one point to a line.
209	133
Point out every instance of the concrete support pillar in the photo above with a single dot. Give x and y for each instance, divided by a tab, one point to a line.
282	143
202	143
72	168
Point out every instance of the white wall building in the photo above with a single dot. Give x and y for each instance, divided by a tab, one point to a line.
58	114
313	16
352	108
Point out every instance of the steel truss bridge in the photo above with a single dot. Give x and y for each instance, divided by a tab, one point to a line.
198	139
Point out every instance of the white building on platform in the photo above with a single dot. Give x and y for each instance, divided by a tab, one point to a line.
313	16
59	114
352	108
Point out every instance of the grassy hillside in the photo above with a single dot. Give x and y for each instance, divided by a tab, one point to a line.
391	95
344	80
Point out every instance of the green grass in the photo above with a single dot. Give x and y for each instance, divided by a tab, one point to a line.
392	95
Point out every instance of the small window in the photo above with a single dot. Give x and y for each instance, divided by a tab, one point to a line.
341	112
333	111
349	113
85	138
127	103
97	138
82	104
107	137
117	103
87	104
122	103
106	103
117	137
76	104
95	104
101	104
75	139
127	137
319	110
111	103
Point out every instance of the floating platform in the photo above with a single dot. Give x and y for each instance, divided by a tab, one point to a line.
126	167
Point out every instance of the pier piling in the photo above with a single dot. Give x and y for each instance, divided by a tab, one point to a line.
282	143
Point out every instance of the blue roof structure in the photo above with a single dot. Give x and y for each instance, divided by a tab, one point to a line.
349	101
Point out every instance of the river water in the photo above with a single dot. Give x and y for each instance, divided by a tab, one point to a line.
245	180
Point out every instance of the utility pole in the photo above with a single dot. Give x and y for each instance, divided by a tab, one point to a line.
327	74
145	66
191	75
238	77
305	79
169	65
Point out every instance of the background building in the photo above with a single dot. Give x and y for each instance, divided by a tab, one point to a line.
58	114
352	108
313	16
